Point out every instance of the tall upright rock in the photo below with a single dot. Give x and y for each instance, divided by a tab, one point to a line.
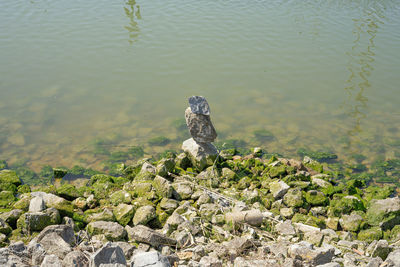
199	148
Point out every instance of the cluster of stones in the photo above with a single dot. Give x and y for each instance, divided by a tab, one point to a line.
241	211
200	148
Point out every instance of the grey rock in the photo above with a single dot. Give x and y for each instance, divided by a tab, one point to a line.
240	244
37	204
382	249
9	259
127	248
241	262
51	261
200	127
144	214
66	232
393	259
331	264
108	254
306	252
55	244
278	189
37	253
374	262
199	105
141	233
351	222
201	155
209	261
183	191
320	182
75	259
11	217
150	259
112	230
163	187
285	228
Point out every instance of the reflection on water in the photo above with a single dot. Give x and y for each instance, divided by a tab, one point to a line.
132	11
360	65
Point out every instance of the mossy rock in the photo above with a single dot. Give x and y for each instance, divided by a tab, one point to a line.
8	187
6	198
22	189
68	191
65	207
101	178
294	198
183	161
37	221
277	171
98	214
384	212
165	166
60	172
144	214
316	198
124	213
141	189
163	187
320	156
344	205
131	171
23	203
308	219
244	183
4	227
120	196
376	192
9	177
369	235
395	233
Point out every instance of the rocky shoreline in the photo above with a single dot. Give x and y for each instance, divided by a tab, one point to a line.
216	210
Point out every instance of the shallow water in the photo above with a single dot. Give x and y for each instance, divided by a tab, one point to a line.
317	74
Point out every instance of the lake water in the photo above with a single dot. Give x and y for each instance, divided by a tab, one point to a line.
317	74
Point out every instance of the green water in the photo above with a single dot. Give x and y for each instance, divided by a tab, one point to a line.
322	75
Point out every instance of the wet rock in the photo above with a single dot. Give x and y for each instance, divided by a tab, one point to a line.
150	259
141	233
51	261
200	154
75	259
278	189
144	214
112	230
108	254
200	127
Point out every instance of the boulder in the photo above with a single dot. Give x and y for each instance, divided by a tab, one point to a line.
75	259
124	213
150	259
293	198
393	259
144	214
200	127
4	227
9	177
285	228
51	261
306	252
11	217
384	212
182	191
141	233
57	240
108	254
163	187
200	154
37	204
111	230
9	259
36	221
351	222
278	189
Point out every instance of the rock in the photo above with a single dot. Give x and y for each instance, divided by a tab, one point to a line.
305	251
241	262
9	177
332	223
278	189
240	244
144	214
37	253
384	212
183	190
150	259
199	105
293	198
120	196
11	217
57	240
111	230
285	228
320	182
75	259
316	198
9	259
374	262
108	254
351	222
314	238
34	221
209	261
127	248
200	154
165	166
393	259
253	217
124	213
141	233
4	227
163	187
169	205
382	249
64	206
287	212
80	203
37	204
200	127
6	198
331	264
51	261
373	233
105	215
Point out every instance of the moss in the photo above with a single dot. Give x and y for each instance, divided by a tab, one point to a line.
277	171
120	196
9	177
369	235
46	174
377	192
342	204
124	213
68	191
23	203
60	172
158	141
308	219
333	189
23	189
395	233
316	166
320	156
114	169
135	152
131	171
294	198
100	178
316	198
230	144
6	198
8	187
3	164
77	170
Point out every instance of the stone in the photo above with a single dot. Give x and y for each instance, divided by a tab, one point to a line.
127	248
384	213
316	198
75	259
34	221
200	127
330	264
124	213
287	212
165	166
11	217
4	227
199	105
201	155
373	233
9	177
105	215
111	230
57	240
374	262
241	262
64	206
163	187
120	196
108	254
293	198
150	259
382	249
393	259
141	233
37	253
241	244
278	189
51	261
144	214
314	238
320	182
351	222
306	252
209	261
332	223
285	228
9	259
183	190
169	205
